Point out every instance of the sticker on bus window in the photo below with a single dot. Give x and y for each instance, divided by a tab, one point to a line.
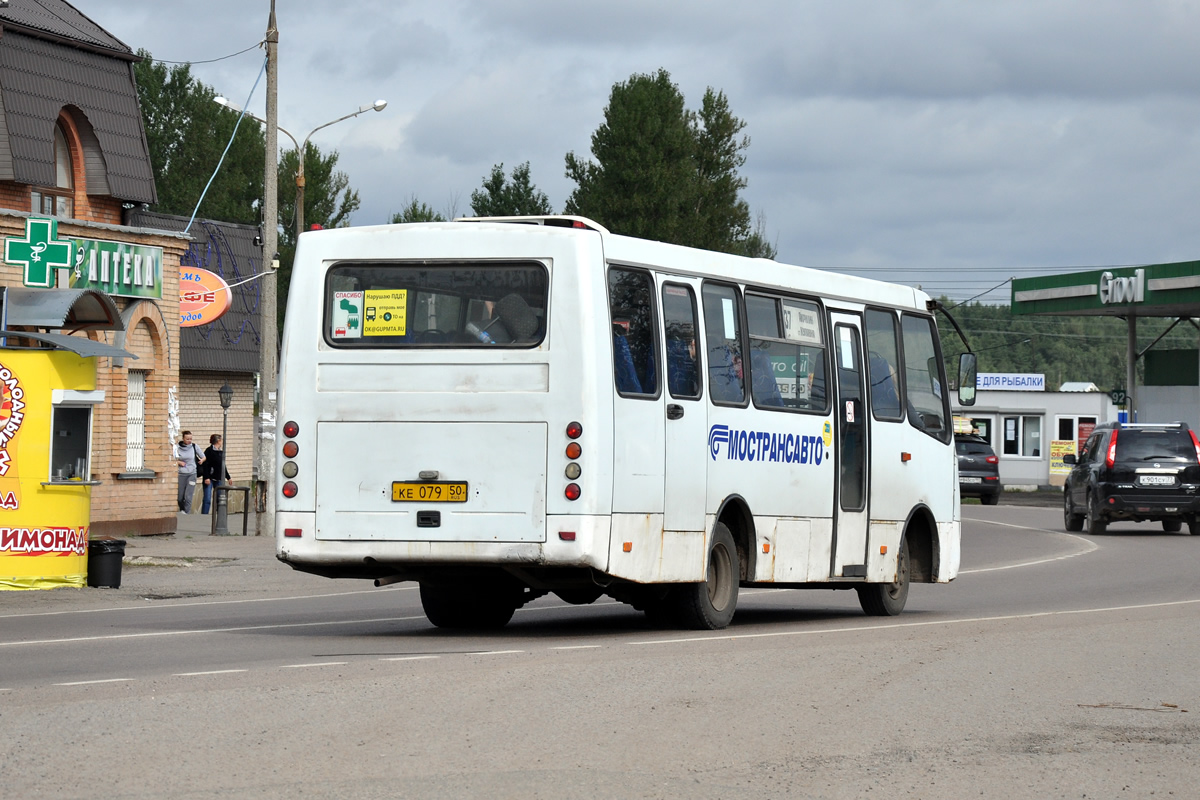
385	312
801	324
346	319
728	317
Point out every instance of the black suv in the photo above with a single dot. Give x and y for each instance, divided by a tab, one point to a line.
1135	472
978	469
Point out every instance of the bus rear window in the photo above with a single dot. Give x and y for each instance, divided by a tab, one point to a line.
454	305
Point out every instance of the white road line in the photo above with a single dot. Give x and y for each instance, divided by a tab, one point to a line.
89	683
896	625
319	664
210	603
202	631
1089	547
209	672
408	658
493	652
579	647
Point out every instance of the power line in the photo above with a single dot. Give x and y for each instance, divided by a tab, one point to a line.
210	60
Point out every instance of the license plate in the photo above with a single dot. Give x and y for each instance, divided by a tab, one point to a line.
429	492
1156	480
970	480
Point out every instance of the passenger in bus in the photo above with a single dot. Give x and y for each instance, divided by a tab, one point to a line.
763	385
624	372
683	379
885	399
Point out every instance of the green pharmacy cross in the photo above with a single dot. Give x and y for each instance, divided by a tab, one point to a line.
39	252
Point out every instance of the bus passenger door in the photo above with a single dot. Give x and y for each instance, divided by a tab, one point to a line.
853	446
686	413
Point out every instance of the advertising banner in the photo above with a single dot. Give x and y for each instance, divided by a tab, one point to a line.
1059	470
118	268
203	297
43	521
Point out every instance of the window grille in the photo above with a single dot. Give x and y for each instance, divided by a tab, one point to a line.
135	436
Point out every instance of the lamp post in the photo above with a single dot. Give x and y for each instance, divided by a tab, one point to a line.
264	448
302	147
221	499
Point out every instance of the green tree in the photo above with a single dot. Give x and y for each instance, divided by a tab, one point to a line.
502	198
641	183
186	133
663	172
328	203
416	211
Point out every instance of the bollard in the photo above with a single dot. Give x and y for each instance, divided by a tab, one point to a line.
220	512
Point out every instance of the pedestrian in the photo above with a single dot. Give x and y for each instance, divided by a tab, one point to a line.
189	459
214	465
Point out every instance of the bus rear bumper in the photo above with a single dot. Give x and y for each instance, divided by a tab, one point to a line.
571	541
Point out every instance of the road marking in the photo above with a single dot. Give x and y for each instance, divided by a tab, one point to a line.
896	625
1089	547
210	603
209	672
203	631
579	647
319	664
408	658
89	683
493	652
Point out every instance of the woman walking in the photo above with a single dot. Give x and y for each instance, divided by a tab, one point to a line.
214	468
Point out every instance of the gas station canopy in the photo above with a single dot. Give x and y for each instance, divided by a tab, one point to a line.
1153	290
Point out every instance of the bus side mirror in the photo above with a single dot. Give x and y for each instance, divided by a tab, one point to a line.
966	379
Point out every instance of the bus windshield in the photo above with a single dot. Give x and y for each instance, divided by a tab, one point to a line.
444	305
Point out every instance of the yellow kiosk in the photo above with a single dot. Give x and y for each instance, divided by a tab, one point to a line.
47	396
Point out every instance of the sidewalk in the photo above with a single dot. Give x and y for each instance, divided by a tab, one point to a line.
192	543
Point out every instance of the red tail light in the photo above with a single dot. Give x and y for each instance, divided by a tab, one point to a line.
992	460
1196	444
573	491
1111	457
574	430
290	489
290	429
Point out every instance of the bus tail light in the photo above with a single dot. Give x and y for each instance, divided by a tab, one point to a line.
574	430
290	449
573	491
290	489
292	533
290	429
1111	457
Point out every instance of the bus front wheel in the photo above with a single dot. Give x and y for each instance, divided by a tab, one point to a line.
887	599
710	605
465	606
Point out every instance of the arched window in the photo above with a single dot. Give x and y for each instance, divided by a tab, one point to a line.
59	201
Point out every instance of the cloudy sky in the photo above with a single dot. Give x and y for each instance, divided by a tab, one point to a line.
947	144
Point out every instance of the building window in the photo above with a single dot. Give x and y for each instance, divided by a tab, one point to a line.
59	201
135	435
1023	437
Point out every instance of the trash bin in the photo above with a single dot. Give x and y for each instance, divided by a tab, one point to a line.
104	563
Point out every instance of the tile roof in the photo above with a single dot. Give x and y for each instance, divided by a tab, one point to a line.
59	19
38	77
231	344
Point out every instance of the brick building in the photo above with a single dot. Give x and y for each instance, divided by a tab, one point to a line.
79	274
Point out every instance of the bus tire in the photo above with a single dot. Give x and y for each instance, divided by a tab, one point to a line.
887	599
710	605
465	607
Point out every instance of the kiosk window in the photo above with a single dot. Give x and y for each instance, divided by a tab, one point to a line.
70	432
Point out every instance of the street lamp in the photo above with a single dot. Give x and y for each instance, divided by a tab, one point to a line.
221	517
301	147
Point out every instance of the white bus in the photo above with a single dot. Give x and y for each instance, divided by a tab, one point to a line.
499	409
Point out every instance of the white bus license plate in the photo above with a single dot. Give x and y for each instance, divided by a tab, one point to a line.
970	480
422	492
1156	480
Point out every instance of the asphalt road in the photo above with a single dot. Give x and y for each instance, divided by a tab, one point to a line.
1057	665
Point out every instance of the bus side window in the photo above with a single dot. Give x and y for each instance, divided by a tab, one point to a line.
683	360
927	409
723	339
883	365
787	353
635	341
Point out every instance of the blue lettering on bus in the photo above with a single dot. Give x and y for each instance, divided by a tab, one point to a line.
781	448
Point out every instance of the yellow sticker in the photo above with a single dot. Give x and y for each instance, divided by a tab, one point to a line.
827	433
385	312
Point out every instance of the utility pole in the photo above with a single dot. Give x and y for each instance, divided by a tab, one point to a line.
264	521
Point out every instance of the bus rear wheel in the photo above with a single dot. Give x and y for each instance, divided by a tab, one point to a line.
710	605
887	599
466	606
